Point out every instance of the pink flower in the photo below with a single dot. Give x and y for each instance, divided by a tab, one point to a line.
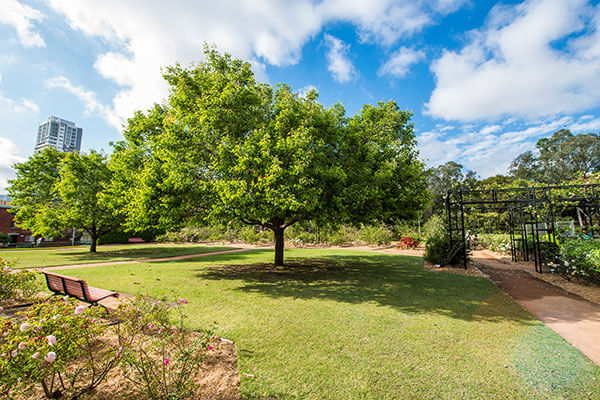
210	347
185	301
150	326
79	309
160	331
24	326
21	346
50	357
13	354
35	355
158	302
166	362
51	340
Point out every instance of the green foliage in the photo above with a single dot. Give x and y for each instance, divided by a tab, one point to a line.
53	344
160	356
438	249
375	234
53	191
578	258
449	176
120	236
16	285
34	193
227	147
4	238
561	157
499	242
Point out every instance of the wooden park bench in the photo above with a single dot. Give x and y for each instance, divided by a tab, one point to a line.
74	287
136	240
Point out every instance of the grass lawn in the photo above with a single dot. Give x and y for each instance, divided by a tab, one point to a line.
44	257
343	324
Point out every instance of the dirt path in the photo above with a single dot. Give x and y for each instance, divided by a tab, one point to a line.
76	266
572	317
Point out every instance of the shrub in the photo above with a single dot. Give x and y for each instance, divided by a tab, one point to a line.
16	285
375	234
408	242
159	355
578	258
4	238
496	242
438	248
53	344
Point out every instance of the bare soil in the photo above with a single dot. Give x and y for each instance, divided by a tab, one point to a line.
217	377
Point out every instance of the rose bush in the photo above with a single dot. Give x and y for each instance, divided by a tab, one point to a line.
53	345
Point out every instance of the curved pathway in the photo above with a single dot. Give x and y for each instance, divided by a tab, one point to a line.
101	264
572	317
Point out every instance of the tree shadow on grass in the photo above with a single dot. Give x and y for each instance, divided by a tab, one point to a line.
393	281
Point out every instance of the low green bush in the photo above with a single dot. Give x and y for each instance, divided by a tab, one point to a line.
498	242
16	285
438	249
578	258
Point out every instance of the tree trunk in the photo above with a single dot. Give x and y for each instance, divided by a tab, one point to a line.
278	232
94	240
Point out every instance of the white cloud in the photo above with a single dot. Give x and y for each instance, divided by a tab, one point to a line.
381	21
92	105
21	17
490	149
155	34
22	107
490	129
9	157
514	65
339	64
304	90
400	61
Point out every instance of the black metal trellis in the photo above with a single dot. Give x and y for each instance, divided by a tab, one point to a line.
532	213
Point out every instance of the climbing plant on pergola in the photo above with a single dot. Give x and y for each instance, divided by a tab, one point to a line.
532	214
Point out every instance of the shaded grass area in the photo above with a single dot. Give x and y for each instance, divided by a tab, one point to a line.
33	258
337	324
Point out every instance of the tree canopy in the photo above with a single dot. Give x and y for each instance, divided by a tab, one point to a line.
445	177
226	147
561	157
53	191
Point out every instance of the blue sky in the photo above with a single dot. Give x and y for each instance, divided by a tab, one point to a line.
485	80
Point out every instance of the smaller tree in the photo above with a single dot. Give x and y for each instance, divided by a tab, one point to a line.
54	191
86	203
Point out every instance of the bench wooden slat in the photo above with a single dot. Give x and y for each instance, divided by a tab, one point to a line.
74	287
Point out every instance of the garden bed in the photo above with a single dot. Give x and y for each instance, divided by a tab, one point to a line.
217	377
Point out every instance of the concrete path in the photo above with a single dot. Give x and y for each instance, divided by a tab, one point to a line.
75	266
572	317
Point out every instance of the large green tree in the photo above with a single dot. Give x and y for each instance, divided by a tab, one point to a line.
226	147
53	191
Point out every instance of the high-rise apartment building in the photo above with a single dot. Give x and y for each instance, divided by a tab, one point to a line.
60	134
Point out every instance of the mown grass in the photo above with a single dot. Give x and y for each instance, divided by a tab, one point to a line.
34	258
342	324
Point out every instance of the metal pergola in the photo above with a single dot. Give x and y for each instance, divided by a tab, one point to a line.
532	214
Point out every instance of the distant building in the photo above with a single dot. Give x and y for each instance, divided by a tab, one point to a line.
7	224
60	134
